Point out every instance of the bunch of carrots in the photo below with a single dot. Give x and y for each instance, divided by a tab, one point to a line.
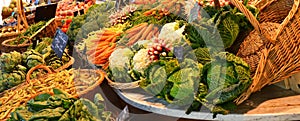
100	46
165	8
143	31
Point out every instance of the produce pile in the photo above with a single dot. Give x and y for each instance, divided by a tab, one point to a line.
61	107
28	33
95	18
71	81
175	51
10	29
14	65
66	9
12	7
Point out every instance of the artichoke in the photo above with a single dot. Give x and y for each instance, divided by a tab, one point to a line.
8	61
32	58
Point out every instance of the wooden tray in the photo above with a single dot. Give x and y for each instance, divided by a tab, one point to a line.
272	103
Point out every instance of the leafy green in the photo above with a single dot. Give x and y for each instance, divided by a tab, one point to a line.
203	55
228	28
28	33
59	107
226	80
96	17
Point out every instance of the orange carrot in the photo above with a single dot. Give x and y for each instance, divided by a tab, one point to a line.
107	33
99	61
105	66
110	38
137	28
136	37
103	56
149	12
106	54
102	43
114	39
130	35
147	31
150	35
156	34
98	52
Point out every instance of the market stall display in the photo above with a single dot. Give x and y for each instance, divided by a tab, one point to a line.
74	82
7	11
60	106
23	41
133	57
178	58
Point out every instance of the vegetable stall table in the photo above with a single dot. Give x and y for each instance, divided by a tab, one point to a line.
271	103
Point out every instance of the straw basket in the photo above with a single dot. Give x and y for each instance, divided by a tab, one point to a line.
46	31
279	57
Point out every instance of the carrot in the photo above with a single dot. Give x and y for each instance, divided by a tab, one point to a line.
102	43
156	34
149	36
89	52
106	54
149	12
152	33
114	40
137	28
136	37
109	39
99	51
99	61
130	35
107	33
103	37
105	66
147	31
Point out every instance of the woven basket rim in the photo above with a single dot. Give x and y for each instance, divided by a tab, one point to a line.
5	44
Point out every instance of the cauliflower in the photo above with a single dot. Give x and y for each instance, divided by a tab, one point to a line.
171	31
141	60
120	57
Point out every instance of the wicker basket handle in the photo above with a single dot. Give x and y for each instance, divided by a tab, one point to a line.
251	19
41	66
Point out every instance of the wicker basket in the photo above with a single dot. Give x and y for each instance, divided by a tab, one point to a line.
16	97
46	31
274	10
7	47
7	36
280	59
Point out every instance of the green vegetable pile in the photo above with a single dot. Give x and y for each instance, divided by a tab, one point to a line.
228	22
28	33
60	107
14	65
186	77
97	17
12	73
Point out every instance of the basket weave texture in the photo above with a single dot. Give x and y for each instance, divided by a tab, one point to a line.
276	45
